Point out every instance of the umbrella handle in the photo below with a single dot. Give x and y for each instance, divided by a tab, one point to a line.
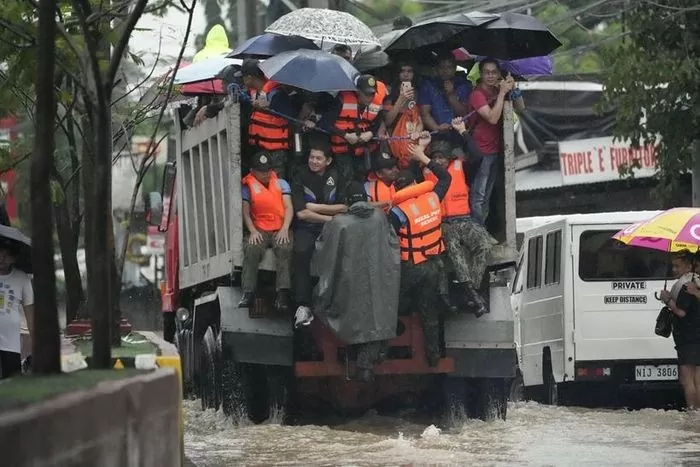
657	296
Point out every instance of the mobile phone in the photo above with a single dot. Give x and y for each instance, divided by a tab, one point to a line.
406	86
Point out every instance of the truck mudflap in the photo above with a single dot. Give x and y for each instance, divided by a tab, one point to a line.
484	347
264	340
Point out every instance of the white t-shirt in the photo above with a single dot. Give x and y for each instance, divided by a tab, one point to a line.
15	290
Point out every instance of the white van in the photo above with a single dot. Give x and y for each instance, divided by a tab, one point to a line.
584	305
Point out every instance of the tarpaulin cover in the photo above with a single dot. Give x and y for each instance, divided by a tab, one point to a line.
358	264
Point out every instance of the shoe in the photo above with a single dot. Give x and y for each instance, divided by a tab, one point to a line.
303	316
246	300
479	306
282	302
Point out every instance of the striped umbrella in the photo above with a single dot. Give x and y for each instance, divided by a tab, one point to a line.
673	230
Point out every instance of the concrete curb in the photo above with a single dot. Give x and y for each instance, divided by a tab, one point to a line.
127	422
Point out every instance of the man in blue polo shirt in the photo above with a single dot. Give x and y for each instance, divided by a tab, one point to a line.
443	98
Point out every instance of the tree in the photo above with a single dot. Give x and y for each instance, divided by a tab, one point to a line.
46	347
652	82
85	77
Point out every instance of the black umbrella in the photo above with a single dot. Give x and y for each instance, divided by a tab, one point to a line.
19	244
371	61
312	70
435	31
267	45
510	37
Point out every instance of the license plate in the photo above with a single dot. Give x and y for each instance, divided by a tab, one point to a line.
656	372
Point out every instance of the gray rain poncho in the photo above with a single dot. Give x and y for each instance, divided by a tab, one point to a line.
358	265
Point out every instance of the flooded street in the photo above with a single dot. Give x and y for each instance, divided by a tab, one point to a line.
533	435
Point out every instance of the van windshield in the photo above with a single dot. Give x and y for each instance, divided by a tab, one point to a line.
602	258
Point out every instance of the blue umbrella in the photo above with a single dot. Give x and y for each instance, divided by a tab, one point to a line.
204	70
312	70
266	45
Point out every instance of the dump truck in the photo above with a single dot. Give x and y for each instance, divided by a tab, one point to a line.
252	362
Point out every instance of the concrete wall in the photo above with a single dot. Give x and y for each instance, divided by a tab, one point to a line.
132	422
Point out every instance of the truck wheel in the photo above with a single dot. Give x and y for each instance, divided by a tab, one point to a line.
455	410
236	389
279	394
517	389
492	398
208	372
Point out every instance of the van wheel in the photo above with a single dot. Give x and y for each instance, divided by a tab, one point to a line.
551	388
209	372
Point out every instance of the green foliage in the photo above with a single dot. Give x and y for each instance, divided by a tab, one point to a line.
583	48
654	75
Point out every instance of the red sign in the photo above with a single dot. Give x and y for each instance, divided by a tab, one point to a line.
8	136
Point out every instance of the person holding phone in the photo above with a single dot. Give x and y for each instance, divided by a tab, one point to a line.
402	115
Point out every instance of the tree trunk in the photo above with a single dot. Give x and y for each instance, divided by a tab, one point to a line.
88	183
100	291
74	286
46	347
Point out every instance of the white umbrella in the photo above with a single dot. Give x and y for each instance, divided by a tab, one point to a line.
325	26
204	70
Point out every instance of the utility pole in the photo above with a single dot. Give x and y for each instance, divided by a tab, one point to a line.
695	166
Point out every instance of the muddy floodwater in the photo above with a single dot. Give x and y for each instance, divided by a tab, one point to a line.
533	434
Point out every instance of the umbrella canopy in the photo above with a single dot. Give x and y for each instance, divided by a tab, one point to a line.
312	70
371	61
512	36
435	31
673	230
320	24
20	245
266	45
205	70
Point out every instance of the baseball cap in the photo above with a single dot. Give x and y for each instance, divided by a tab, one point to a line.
383	160
261	161
442	147
367	84
250	67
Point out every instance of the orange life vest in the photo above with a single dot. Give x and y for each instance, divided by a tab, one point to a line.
350	121
407	123
421	236
456	201
412	191
266	204
379	191
268	131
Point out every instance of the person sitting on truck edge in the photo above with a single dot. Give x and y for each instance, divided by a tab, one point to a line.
353	120
682	301
316	196
267	131
267	213
468	243
417	222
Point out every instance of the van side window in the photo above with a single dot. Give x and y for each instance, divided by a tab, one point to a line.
552	266
534	262
602	258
